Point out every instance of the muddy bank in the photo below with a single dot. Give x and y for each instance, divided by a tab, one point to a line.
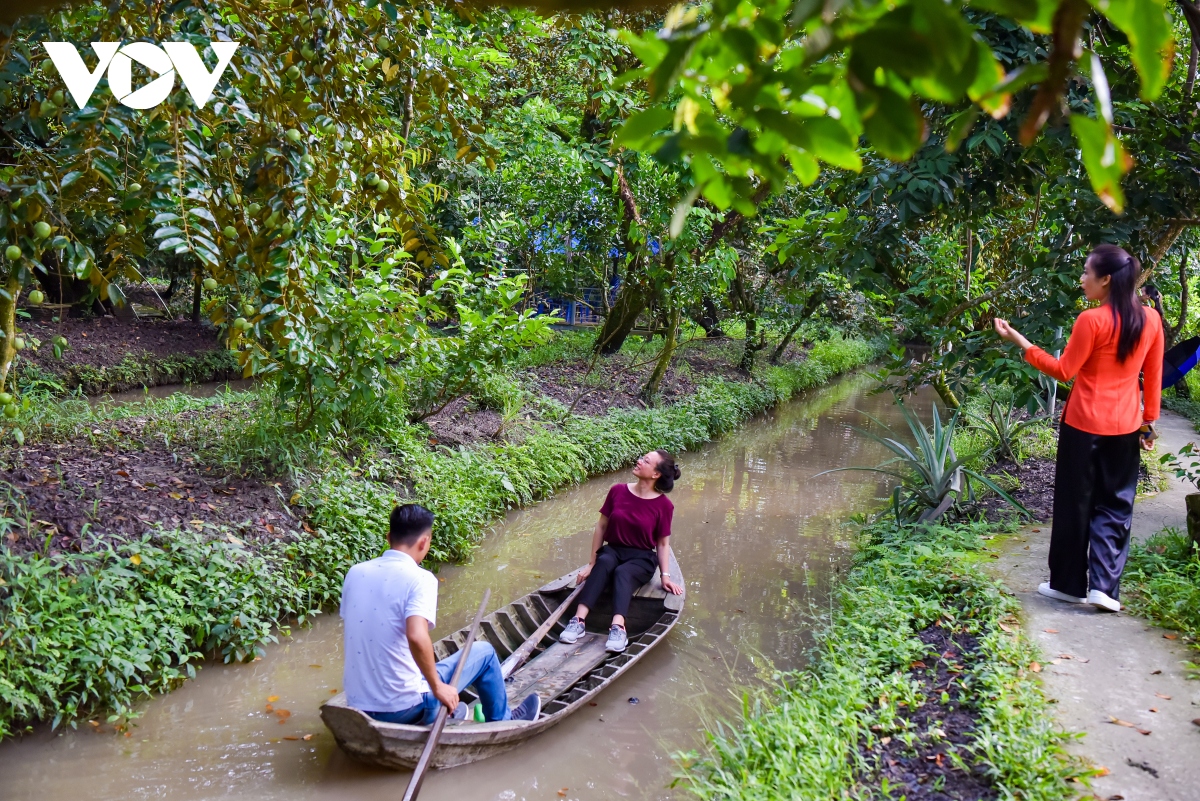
106	354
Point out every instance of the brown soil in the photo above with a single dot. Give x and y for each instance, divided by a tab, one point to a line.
616	382
462	423
1035	492
61	495
107	341
925	771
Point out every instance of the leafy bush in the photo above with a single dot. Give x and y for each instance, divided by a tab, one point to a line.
802	740
1162	582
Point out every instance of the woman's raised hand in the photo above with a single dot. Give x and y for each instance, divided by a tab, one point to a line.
1011	334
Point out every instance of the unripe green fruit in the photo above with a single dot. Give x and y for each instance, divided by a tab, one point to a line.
11	411
372	179
382	186
230	232
210	284
308	161
273	220
18	344
12	252
308	53
226	150
293	72
240	323
247	310
383	43
287	228
48	107
328	126
294	135
120	230
134	187
253	209
5	399
59	98
37	297
369	61
41	230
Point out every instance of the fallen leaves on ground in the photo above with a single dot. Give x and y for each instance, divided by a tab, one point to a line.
1035	667
1050	631
1170	636
1164	697
272	699
1127	725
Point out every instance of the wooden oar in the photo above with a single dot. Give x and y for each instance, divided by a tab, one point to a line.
414	784
518	657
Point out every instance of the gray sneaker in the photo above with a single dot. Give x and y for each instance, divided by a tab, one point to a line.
572	632
617	640
528	709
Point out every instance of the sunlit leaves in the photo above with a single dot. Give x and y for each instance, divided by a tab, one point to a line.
1151	45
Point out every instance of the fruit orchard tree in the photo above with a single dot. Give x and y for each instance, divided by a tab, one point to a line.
315	112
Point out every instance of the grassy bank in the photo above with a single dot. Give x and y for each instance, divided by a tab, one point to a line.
921	640
132	372
101	628
1162	583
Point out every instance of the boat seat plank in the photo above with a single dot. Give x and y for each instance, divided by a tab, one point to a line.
554	670
654	589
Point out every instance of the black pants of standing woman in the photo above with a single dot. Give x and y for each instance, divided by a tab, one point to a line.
1095	481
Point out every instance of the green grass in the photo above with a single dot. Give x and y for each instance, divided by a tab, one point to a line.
1162	582
801	740
82	632
130	373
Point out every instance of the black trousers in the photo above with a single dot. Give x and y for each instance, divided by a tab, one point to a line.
627	569
1095	481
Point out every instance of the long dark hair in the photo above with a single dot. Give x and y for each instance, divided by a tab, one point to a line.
1128	314
668	472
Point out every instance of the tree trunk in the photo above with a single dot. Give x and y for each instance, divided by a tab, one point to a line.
753	345
709	320
670	342
810	306
944	392
632	299
1161	246
197	285
8	324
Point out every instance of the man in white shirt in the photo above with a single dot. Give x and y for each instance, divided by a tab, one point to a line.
389	605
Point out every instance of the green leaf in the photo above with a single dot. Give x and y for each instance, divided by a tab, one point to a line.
642	126
1104	157
895	126
1146	24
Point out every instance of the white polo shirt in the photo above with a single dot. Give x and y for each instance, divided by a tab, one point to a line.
378	596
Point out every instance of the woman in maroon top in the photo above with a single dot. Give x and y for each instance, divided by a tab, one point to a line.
635	530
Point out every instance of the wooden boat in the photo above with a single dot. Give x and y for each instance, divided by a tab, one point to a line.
565	676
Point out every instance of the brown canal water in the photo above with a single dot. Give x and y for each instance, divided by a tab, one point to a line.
759	540
204	390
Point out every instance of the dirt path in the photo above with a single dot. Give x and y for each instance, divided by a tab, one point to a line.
1101	665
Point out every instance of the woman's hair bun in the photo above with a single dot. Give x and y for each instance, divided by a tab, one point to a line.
668	471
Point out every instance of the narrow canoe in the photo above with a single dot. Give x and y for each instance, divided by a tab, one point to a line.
565	676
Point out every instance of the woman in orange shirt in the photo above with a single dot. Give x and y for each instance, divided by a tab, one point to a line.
1096	473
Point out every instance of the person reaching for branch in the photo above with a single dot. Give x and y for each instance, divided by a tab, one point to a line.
1097	465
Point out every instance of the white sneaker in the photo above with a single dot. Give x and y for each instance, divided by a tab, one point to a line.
1044	589
1102	601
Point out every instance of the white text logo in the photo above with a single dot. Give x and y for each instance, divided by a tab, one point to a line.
118	60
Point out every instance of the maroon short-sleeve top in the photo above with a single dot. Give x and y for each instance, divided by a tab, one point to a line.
636	522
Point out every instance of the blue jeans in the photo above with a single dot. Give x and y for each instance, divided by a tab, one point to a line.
482	670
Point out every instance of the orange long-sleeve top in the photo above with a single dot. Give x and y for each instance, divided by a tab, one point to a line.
1104	398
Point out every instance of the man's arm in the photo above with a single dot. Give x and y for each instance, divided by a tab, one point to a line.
421	647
